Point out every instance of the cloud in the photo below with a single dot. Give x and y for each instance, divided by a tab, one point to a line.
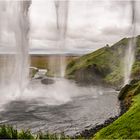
116	30
91	24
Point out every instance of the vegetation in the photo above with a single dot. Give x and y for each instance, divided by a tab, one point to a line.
105	64
8	132
127	126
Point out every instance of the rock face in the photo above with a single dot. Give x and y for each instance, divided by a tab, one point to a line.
47	81
128	92
33	71
124	92
89	75
40	74
105	65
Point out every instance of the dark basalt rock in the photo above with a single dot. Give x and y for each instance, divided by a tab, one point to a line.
91	132
47	81
123	92
134	81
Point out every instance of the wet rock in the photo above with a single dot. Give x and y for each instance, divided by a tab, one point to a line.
91	132
134	81
47	81
41	73
33	71
124	91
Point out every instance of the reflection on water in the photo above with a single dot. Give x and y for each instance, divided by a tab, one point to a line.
84	107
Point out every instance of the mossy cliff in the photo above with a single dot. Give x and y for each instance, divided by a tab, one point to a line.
104	66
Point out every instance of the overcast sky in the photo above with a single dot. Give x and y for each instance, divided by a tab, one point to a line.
90	25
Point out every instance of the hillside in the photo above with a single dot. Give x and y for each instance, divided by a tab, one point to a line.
104	66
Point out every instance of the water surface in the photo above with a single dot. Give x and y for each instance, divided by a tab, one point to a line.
82	111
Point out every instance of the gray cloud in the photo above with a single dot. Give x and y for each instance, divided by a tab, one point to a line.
91	24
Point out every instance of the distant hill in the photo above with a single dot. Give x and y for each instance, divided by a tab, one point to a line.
41	61
104	65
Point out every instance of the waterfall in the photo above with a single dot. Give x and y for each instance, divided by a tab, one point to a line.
15	68
22	45
130	49
57	63
129	60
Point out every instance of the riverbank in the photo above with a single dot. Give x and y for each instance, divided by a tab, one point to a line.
128	119
88	134
127	125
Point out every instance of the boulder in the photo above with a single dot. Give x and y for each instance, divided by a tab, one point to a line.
47	81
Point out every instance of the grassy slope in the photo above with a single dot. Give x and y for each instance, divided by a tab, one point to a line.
136	66
128	125
108	60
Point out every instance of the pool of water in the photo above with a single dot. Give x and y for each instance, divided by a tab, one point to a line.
60	107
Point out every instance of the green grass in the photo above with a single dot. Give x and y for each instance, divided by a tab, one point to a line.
128	125
86	61
106	62
136	69
8	132
114	77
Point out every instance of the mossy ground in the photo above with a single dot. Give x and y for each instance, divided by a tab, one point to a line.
106	62
128	125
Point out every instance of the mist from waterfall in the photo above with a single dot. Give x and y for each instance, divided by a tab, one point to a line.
130	49
57	64
14	72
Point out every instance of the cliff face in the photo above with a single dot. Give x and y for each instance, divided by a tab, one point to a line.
104	66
